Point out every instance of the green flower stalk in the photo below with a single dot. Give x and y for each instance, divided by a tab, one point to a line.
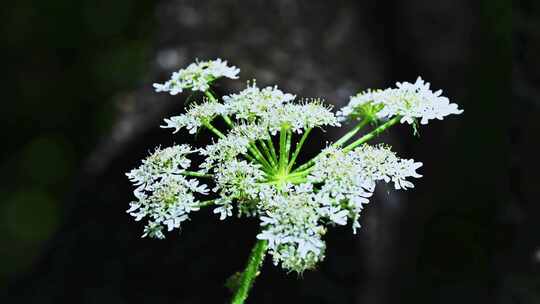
251	167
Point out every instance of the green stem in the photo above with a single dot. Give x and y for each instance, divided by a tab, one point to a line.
270	144
354	144
221	135
298	180
282	147
306	165
373	133
267	153
228	121
212	98
350	134
246	155
288	147
297	149
255	261
196	174
206	203
252	148
213	129
299	173
258	156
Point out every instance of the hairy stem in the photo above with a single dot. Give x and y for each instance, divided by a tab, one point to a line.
255	261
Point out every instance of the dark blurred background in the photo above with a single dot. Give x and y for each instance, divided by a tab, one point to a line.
78	111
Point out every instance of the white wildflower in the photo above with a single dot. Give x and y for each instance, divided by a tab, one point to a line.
348	178
251	169
236	142
164	195
195	116
380	163
272	108
197	76
253	102
291	225
162	162
411	101
238	179
225	208
298	117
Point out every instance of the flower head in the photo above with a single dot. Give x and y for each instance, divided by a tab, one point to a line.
348	179
236	142
253	102
292	226
272	108
164	196
251	161
411	101
195	117
197	76
238	179
307	115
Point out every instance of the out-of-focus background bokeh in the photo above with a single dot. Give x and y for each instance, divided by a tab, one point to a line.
78	111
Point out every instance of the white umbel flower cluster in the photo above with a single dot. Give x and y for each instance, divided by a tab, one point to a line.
236	142
240	181
164	196
349	178
251	161
411	101
197	76
292	226
268	108
272	108
340	183
196	116
253	102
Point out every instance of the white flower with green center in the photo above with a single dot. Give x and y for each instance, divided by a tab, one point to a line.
347	179
196	116
229	146
253	164
292	226
197	76
253	102
410	101
298	117
239	180
164	195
